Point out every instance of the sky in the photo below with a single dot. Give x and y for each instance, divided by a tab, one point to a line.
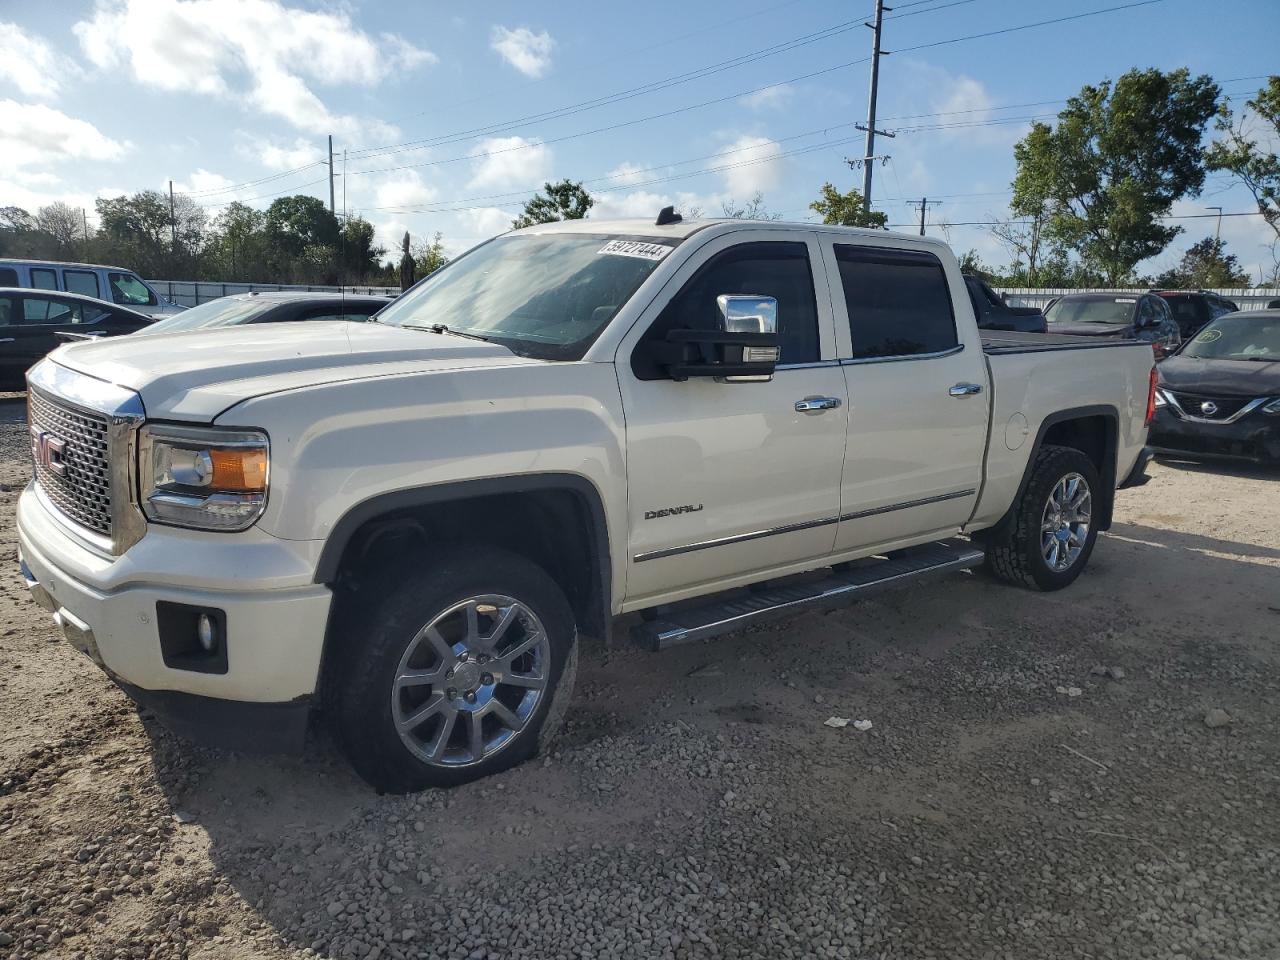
446	118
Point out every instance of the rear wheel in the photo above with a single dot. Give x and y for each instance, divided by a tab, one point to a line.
1053	530
460	671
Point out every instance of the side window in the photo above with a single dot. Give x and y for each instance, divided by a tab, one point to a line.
43	279
1148	315
771	269
898	302
81	281
129	290
41	311
8	277
7	315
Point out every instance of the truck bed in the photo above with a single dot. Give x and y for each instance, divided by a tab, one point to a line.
999	342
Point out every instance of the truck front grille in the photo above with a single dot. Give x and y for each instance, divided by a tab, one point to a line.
72	459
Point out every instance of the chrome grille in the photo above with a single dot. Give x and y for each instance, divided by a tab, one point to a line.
82	490
1218	407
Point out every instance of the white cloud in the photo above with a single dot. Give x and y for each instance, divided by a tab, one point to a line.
202	181
643	203
528	52
505	163
35	135
30	64
213	47
627	173
760	170
276	156
404	188
486	222
769	98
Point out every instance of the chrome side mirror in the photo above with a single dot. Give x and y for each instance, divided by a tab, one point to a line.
757	318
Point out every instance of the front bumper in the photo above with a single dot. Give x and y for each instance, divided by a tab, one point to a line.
1255	438
275	621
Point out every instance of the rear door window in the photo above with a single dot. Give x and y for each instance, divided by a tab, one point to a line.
81	281
44	311
43	279
8	277
898	301
129	290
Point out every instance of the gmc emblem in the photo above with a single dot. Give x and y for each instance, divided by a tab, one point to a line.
47	451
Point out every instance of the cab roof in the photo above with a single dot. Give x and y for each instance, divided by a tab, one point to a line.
683	229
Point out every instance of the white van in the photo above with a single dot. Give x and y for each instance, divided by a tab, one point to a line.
114	284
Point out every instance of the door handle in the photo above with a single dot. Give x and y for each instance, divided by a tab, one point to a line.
6	340
817	404
965	389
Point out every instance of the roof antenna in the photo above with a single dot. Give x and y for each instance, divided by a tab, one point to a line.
667	215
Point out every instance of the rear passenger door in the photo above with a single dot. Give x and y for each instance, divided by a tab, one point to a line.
917	386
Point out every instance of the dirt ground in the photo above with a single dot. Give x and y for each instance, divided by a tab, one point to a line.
698	807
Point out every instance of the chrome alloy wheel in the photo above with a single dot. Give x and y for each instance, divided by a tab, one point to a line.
1064	526
470	680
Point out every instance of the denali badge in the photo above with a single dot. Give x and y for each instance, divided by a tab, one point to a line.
47	451
671	511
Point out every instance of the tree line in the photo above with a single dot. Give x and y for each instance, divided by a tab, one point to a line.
1092	197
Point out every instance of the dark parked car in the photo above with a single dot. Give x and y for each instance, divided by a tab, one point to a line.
1219	396
1141	316
271	307
33	322
1192	309
994	314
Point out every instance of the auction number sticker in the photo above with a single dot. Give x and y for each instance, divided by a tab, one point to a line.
635	248
1209	336
1126	300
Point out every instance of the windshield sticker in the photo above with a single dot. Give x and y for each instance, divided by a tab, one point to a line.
1209	336
635	248
1126	300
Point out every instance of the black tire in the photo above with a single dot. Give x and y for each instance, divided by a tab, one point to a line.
1014	554
372	636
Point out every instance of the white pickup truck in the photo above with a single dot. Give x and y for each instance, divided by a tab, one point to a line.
409	522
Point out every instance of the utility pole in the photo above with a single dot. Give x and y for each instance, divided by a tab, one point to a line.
1218	232
924	203
871	104
173	224
84	222
331	210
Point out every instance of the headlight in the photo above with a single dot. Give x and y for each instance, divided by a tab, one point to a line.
1272	407
201	477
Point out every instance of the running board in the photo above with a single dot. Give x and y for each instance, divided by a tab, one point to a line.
767	602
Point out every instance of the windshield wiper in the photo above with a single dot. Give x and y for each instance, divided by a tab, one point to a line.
443	328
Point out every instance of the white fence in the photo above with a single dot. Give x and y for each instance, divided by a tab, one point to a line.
190	293
1246	298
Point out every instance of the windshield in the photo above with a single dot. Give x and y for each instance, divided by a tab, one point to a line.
1237	337
223	312
545	295
1118	310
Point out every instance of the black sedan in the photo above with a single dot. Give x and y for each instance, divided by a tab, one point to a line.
33	322
271	307
1219	396
1142	316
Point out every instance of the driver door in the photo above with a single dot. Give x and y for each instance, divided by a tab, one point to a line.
730	481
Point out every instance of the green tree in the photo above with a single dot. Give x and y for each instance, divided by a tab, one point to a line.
137	232
1205	264
1239	153
1119	158
845	209
565	200
430	257
65	225
237	245
359	256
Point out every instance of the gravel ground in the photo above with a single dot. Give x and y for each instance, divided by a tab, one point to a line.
1014	798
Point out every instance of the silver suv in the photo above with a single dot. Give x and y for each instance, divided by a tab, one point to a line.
114	284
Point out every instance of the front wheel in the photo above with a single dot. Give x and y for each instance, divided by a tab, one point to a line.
1053	529
464	669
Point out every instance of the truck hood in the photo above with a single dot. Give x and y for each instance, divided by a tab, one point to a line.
1091	329
197	374
1238	378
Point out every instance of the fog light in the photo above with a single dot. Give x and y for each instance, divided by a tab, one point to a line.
207	632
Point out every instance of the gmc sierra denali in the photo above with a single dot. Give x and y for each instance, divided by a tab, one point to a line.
407	523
